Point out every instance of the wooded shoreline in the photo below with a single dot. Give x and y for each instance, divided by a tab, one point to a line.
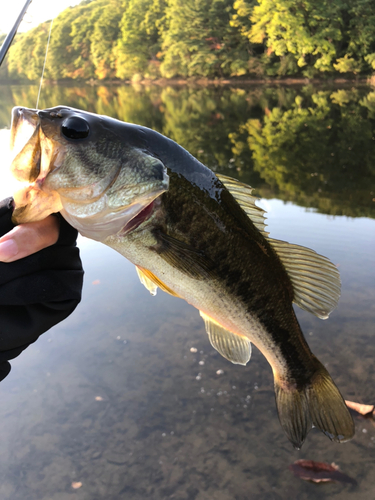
216	40
206	82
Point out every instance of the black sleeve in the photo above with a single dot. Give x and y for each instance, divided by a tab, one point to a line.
38	291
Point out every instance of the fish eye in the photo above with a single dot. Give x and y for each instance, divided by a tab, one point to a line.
75	127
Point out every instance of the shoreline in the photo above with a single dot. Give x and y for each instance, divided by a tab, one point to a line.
206	82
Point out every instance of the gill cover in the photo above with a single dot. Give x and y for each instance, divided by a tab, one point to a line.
93	169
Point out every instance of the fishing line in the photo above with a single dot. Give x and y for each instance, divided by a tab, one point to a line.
44	65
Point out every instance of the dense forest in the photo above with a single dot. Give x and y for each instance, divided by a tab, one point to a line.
153	39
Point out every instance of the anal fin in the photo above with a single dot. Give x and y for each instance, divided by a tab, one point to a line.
234	348
152	282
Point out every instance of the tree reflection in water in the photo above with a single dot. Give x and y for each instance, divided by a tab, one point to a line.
311	146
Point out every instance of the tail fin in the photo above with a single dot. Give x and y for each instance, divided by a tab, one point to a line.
318	403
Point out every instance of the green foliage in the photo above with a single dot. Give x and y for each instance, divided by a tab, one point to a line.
359	34
104	38
199	40
347	64
139	45
137	39
4	66
308	31
60	53
26	56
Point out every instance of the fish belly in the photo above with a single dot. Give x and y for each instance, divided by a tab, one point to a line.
205	295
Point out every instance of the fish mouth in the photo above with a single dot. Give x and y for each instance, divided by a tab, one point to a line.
31	202
25	145
24	123
140	218
114	197
109	222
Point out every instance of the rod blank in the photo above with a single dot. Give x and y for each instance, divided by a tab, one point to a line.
9	39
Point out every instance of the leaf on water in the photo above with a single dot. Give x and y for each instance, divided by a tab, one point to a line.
319	472
98	398
76	485
96	282
365	410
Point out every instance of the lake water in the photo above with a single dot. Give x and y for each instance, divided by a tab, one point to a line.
115	399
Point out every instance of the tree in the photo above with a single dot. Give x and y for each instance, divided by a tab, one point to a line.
104	38
306	33
135	39
60	53
26	56
358	53
200	41
138	47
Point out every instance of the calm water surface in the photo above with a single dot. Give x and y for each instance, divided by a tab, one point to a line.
115	398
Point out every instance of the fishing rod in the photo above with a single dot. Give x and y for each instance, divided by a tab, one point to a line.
9	39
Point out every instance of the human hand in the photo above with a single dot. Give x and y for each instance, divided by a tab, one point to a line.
27	239
41	280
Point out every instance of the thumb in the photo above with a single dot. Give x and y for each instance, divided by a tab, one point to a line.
29	238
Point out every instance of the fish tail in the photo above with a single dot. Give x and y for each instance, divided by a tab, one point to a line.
317	403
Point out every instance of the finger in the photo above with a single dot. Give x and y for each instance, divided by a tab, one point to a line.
29	238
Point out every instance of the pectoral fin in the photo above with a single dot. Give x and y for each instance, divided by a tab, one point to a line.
233	347
150	285
152	282
184	257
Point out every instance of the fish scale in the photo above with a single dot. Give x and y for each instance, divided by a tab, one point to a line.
195	235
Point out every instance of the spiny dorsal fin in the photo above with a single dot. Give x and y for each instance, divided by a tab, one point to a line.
233	347
152	282
242	194
316	281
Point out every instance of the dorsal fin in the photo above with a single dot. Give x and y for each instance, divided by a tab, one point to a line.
316	281
234	348
152	282
242	194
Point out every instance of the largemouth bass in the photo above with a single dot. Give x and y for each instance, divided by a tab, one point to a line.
193	234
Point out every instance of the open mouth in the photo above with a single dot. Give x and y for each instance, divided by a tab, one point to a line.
141	217
105	222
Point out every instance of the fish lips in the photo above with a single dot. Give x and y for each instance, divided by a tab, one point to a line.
24	123
31	202
25	144
88	208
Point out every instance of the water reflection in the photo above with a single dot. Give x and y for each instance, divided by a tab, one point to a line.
314	147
